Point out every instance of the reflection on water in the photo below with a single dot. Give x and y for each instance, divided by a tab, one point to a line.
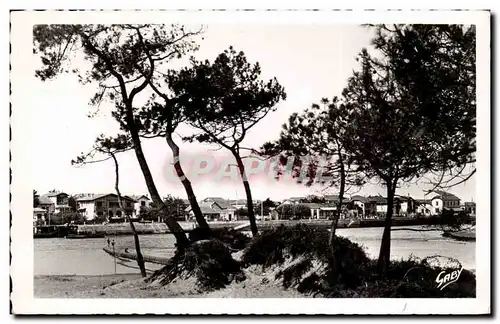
86	257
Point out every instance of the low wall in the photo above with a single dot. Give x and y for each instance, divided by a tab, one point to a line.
161	228
145	228
123	229
344	223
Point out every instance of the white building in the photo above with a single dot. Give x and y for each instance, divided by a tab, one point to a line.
424	207
39	216
55	202
361	203
105	206
443	200
142	202
382	208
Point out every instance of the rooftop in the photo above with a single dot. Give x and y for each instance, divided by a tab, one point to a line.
296	198
207	208
55	193
331	197
359	198
91	197
137	197
443	195
377	199
44	200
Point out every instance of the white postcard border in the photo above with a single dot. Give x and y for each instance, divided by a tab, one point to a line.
21	165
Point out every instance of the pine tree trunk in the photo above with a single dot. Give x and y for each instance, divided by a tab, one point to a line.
335	221
248	192
140	258
173	225
384	257
195	207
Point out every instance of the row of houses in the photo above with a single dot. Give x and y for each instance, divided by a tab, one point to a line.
217	208
371	206
106	206
220	209
89	205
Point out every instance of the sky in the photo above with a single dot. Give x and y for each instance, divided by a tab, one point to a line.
310	61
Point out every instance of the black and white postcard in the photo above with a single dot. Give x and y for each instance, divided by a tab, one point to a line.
246	157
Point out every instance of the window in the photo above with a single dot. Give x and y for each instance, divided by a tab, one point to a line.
118	213
143	203
99	214
437	203
98	204
129	204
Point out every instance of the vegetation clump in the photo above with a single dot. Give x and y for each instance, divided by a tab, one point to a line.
300	258
236	240
209	261
410	278
304	254
305	261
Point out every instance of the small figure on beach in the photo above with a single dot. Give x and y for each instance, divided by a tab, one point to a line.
108	241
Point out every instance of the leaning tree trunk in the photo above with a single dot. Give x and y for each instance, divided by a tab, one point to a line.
140	258
202	222
385	247
248	192
173	225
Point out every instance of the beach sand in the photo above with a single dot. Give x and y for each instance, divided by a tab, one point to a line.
71	286
257	285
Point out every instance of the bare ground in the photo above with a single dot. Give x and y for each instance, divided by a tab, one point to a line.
258	284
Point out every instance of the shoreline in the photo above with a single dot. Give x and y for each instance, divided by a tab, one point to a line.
243	225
